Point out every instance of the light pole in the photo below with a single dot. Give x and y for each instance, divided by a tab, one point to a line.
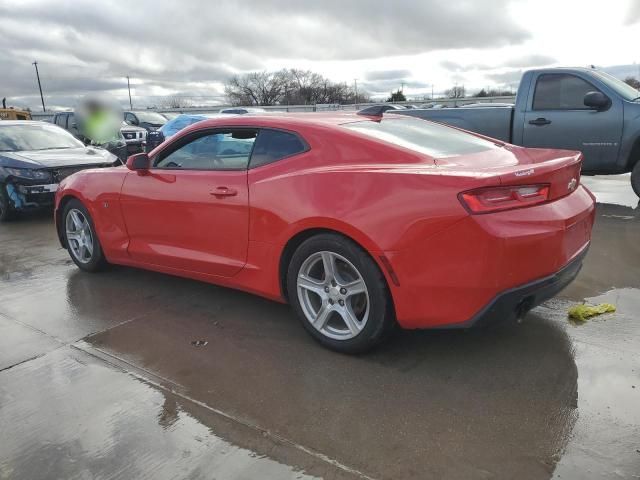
35	64
355	82
129	88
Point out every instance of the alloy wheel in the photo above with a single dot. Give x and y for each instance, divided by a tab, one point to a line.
79	236
333	295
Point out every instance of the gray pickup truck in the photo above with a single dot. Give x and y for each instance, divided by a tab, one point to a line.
569	108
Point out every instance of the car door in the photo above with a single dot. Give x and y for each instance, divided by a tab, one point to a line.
72	125
556	117
190	210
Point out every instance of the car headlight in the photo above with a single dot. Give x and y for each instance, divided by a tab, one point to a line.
28	173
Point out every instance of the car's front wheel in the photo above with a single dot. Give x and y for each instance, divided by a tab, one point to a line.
340	294
80	237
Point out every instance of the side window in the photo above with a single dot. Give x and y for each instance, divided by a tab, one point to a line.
130	118
559	91
272	145
220	150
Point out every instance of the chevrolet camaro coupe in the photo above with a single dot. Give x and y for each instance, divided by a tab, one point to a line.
360	223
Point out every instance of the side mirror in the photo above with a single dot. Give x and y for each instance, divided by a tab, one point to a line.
139	161
597	100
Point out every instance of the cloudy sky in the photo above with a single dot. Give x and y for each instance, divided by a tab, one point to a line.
190	47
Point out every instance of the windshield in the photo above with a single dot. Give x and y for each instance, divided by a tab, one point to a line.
430	138
16	138
151	117
625	91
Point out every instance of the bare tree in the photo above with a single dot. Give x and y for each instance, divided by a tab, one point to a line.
176	102
291	87
633	82
256	88
455	92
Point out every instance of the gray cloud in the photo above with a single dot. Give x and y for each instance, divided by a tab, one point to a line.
529	61
524	61
506	78
84	47
388	75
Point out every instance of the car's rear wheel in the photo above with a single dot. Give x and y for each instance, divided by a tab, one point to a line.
635	178
340	294
80	237
6	211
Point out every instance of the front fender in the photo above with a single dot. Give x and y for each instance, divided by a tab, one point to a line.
99	191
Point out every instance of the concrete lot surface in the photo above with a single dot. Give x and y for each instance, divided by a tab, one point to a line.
100	378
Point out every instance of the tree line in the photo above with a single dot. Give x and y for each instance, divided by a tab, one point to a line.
304	87
289	87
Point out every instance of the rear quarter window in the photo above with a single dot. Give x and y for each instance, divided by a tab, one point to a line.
433	139
273	145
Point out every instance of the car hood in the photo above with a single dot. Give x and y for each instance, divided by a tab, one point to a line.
132	128
66	157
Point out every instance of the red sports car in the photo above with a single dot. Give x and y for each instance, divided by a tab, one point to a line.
360	223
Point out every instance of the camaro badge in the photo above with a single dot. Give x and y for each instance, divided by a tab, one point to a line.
524	173
572	184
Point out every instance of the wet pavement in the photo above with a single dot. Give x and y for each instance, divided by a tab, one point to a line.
133	374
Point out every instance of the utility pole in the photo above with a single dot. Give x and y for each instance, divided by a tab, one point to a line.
432	91
35	64
129	88
402	87
355	82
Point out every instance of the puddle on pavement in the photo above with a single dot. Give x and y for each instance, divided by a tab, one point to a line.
67	415
540	399
604	441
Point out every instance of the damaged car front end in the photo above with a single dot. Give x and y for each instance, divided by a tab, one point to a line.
34	158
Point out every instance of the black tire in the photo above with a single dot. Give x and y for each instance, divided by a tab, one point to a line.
380	319
7	213
96	261
635	178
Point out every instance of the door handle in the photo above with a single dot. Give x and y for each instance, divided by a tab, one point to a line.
223	192
539	122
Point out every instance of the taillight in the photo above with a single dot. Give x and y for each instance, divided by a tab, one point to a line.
495	199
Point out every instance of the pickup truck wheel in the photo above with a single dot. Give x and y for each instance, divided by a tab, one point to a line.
7	213
81	239
635	178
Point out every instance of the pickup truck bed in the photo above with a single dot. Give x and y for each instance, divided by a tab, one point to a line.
494	122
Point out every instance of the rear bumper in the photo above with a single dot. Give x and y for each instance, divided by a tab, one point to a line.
512	304
489	263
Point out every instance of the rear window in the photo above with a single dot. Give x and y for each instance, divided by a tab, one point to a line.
432	139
